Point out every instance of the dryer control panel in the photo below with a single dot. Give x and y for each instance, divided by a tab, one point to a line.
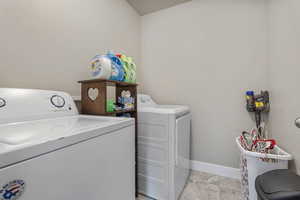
145	100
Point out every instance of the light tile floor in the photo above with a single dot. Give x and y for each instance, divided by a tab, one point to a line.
204	186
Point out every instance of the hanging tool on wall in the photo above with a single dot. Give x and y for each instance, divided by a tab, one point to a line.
258	103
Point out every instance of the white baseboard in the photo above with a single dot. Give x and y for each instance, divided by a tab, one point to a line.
216	169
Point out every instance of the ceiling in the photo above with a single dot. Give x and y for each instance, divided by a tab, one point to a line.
144	7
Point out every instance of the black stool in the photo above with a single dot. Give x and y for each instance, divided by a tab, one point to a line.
279	184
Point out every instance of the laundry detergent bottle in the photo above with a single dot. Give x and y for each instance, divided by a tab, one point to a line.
101	67
117	72
129	68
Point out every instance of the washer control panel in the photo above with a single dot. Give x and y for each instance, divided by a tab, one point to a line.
2	102
18	105
57	101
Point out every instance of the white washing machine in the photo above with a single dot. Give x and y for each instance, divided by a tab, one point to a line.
163	148
48	151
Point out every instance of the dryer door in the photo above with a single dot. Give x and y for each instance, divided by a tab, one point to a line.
182	152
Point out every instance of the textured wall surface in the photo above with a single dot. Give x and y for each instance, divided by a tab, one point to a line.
49	44
206	54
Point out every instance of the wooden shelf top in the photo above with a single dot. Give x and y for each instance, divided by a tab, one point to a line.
109	82
121	111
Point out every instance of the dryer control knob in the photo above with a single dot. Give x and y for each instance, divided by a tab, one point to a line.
297	122
2	102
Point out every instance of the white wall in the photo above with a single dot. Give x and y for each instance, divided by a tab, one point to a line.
206	54
48	44
284	73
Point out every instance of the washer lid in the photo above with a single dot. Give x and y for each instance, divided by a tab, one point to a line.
23	140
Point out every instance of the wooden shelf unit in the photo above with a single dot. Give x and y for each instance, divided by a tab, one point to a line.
98	106
120	112
109	82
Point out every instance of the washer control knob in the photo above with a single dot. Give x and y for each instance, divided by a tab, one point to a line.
2	102
57	101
